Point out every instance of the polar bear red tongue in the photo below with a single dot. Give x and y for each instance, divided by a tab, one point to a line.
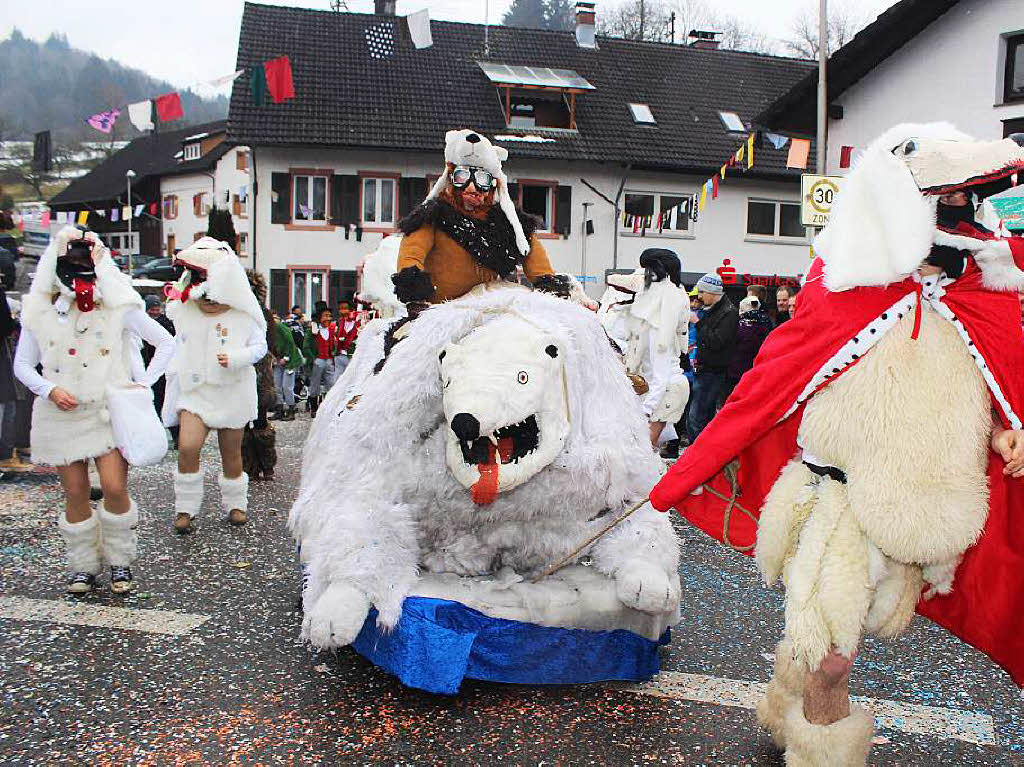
485	489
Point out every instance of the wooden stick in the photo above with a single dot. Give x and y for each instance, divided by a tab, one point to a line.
564	560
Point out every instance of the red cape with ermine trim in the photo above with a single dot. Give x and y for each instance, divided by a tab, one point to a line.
986	607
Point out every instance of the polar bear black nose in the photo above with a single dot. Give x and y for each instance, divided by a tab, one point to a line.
466	427
473	138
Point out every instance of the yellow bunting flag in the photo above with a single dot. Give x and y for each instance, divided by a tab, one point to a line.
750	151
703	197
83	217
739	153
722	171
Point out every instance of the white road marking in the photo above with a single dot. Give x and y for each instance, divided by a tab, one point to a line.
912	718
167	622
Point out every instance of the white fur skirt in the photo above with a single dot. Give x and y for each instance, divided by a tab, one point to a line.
62	437
222	407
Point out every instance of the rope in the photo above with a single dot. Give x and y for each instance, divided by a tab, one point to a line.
731	472
571	555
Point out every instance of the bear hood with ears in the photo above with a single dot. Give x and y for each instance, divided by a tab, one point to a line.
883	222
113	287
226	280
469	148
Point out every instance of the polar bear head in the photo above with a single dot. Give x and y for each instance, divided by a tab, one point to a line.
504	399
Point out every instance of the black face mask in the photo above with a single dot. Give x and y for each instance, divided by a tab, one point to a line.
949	259
69	269
951	215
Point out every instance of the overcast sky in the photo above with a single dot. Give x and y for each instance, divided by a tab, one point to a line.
184	41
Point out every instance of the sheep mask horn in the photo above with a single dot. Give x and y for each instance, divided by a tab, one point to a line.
883	224
471	149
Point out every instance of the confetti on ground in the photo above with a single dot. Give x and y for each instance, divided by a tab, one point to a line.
83	614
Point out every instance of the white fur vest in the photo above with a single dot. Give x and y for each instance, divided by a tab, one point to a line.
910	426
201	338
83	353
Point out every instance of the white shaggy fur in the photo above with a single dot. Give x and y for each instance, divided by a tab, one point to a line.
234	493
377	500
377	289
120	534
81	543
841	744
784	688
188	493
784	513
998	270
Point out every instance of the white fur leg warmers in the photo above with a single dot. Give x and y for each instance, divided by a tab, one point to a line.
120	536
785	687
841	744
82	541
188	493
234	493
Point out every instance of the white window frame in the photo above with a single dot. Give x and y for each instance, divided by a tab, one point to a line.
675	234
204	203
378	196
243	244
309	189
776	237
642	114
119	241
552	191
192	152
307	303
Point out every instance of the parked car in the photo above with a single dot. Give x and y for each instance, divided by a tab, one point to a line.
159	269
139	261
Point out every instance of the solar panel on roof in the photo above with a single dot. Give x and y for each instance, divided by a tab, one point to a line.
540	77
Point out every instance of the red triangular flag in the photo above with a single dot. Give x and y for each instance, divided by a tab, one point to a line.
844	156
714	187
152	209
279	79
168	107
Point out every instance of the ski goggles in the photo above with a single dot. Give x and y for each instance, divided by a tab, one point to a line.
482	180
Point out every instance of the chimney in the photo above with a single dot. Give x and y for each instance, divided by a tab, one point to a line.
699	38
384	7
585	25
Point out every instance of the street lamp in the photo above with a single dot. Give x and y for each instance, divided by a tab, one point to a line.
129	175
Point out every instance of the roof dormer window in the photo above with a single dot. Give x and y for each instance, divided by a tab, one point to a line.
536	97
732	122
192	152
642	114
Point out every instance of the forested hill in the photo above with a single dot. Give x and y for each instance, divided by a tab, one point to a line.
54	86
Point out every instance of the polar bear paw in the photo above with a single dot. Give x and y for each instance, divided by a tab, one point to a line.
646	587
337	617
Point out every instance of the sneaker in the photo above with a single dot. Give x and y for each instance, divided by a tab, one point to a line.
237	517
81	583
121	580
183	524
15	464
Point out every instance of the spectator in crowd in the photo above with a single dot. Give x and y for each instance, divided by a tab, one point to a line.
716	341
760	292
321	348
782	296
289	359
346	328
9	460
754	326
793	293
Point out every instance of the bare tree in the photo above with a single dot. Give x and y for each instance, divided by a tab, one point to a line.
845	20
637	20
652	20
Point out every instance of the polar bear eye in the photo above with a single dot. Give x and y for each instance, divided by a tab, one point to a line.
909	147
523	377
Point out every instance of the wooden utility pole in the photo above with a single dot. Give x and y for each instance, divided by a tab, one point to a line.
822	86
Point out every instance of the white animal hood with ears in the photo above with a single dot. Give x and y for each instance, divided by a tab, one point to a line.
113	287
226	281
481	154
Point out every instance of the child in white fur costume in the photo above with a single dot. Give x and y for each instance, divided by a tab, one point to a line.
386	492
221	333
75	322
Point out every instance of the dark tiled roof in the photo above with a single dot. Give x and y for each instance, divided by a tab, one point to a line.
149	155
795	111
345	98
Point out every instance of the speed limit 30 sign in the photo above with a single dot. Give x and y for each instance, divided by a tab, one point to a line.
817	195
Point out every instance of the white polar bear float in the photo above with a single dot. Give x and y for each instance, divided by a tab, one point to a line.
499	433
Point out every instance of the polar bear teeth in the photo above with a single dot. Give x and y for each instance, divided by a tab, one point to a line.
510	442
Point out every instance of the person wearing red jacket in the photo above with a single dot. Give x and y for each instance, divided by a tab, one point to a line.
346	328
322	350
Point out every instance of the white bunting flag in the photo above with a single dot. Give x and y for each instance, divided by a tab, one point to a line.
126	212
62	217
141	115
138	210
419	28
219	81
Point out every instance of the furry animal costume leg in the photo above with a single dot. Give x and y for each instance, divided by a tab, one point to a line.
82	542
841	744
259	452
785	688
120	536
234	493
188	493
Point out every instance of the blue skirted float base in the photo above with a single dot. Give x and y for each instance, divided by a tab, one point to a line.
438	643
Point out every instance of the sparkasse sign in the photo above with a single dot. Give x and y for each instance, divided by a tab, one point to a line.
817	194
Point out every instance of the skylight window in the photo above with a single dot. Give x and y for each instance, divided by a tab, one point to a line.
732	122
642	114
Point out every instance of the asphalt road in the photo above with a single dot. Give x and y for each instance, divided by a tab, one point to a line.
229	682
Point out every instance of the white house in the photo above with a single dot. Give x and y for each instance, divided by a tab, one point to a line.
622	130
920	61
